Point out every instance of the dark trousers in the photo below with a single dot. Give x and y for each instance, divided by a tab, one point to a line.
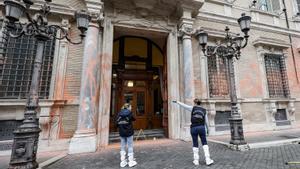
198	131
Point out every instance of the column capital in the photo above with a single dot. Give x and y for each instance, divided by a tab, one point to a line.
96	10
186	27
65	24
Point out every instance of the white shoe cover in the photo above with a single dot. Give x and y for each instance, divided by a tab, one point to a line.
131	160
208	160
123	162
196	155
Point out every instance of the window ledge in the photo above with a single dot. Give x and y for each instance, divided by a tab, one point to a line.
296	19
273	14
22	102
263	41
220	100
267	100
222	2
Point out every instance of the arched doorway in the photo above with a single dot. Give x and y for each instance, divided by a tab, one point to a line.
138	78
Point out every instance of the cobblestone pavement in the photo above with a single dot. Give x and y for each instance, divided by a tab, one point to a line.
170	154
41	157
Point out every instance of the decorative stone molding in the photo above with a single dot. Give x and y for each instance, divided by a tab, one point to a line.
65	24
60	64
45	118
254	9
268	45
211	111
277	43
143	23
55	120
222	2
56	8
273	104
192	6
186	29
291	110
95	9
272	109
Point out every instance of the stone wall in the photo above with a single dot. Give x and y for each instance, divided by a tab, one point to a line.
253	113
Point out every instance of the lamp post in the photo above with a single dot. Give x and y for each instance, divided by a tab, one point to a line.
232	46
26	136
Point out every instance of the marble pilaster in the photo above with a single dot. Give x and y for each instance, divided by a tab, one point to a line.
105	84
186	30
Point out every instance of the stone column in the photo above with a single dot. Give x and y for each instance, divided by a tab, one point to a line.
186	30
84	139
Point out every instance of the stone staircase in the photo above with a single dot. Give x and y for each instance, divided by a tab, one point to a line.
140	135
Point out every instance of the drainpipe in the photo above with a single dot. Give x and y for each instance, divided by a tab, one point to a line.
290	37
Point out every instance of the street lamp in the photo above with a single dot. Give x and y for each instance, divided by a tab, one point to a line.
26	136
232	46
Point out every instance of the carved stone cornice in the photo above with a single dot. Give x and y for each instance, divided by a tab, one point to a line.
55	8
192	5
271	42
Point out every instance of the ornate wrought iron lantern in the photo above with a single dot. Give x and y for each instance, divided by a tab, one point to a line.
26	136
232	45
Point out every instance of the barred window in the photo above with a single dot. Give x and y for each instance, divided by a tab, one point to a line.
276	76
16	65
217	74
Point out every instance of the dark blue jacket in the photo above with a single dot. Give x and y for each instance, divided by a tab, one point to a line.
124	123
198	116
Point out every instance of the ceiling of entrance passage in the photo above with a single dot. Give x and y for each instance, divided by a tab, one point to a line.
150	7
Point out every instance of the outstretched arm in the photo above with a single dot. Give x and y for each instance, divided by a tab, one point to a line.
185	106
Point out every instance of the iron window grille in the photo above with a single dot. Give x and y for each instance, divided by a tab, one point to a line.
217	73
16	65
277	76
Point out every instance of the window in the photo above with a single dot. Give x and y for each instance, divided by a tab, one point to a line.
276	76
222	120
297	5
269	5
281	118
16	65
7	128
217	74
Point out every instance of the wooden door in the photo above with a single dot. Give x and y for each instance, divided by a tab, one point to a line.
137	97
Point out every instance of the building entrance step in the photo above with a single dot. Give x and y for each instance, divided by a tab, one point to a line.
139	135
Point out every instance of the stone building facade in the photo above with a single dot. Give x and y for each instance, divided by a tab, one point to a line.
150	45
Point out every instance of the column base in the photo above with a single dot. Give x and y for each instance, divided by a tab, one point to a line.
83	143
185	132
244	147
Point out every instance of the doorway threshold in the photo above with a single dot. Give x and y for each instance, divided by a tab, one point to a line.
147	134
